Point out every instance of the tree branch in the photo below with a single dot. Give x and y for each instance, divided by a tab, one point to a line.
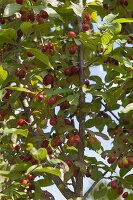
81	119
62	187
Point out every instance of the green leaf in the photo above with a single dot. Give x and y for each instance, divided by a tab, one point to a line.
78	10
20	89
2	93
10	9
39	154
128	108
44	182
40	56
95	174
49	170
3	75
22	132
129	178
123	20
89	42
109	18
73	99
26	27
94	16
51	12
8	36
127	62
106	38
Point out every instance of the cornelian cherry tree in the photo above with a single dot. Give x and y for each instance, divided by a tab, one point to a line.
53	109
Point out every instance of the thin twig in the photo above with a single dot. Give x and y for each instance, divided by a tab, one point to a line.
106	107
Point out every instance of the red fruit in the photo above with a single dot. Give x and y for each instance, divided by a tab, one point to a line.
17	147
50	45
68	136
19	1
31	187
39	19
24	16
120	164
76	139
20	73
68	71
39	97
117	131
21	122
44	48
87	83
43	14
19	33
124	2
34	161
125	140
70	141
75	131
72	49
24	94
58	140
49	150
30	177
24	182
32	17
71	34
88	16
85	27
2	20
29	54
69	162
67	122
105	6
53	121
125	195
125	162
64	105
51	52
8	93
111	159
45	144
26	157
130	160
114	184
75	69
52	100
120	190
48	79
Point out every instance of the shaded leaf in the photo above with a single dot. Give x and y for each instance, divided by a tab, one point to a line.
10	9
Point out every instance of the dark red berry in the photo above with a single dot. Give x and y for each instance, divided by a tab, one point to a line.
53	121
21	122
88	16
125	195
68	71
52	100
45	144
85	27
48	79
30	54
40	97
43	14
